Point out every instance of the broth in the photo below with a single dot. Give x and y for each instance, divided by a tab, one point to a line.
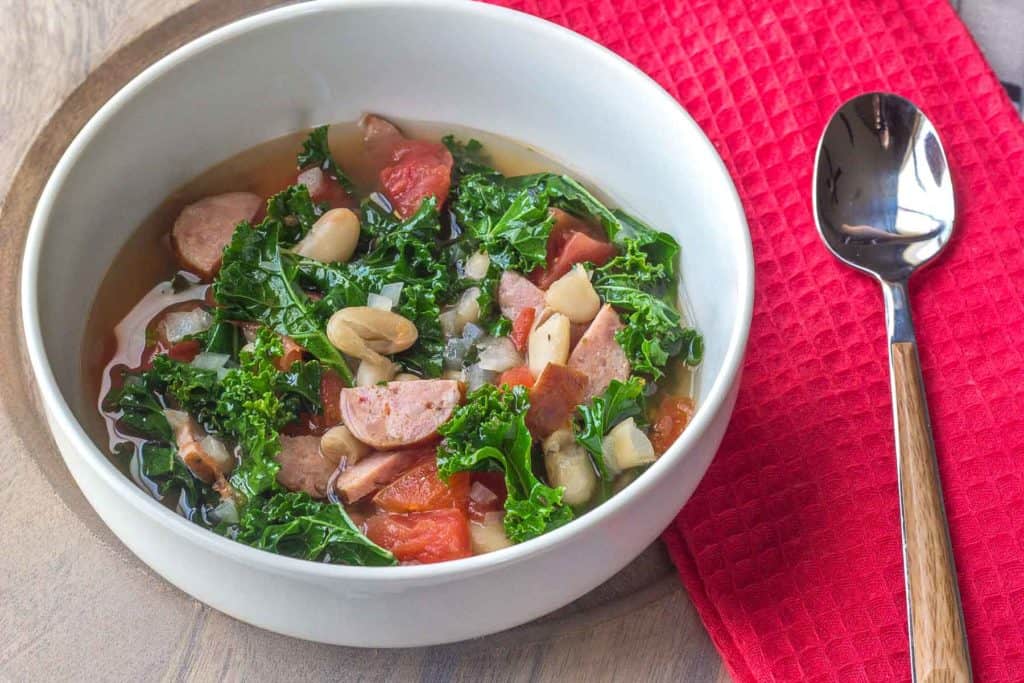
138	285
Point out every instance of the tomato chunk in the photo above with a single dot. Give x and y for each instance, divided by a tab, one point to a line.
421	489
292	353
670	420
330	397
521	327
421	169
421	537
184	351
579	248
520	376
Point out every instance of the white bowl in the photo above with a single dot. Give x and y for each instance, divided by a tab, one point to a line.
445	61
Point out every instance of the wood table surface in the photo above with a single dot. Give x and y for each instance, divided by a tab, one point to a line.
74	603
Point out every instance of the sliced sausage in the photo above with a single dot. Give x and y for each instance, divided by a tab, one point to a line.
553	398
516	293
598	355
380	136
375	471
302	466
419	169
203	229
399	414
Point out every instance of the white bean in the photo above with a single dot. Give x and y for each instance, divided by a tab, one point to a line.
489	535
371	372
568	465
477	266
333	237
383	331
574	296
338	442
468	309
549	343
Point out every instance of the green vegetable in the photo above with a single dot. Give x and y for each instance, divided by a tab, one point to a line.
402	251
137	409
317	152
489	432
620	401
469	157
294	209
294	524
258	281
641	290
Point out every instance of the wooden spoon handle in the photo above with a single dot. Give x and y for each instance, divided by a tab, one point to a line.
938	642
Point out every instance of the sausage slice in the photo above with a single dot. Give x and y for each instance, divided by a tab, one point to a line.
516	293
598	355
399	414
302	466
203	229
376	471
553	398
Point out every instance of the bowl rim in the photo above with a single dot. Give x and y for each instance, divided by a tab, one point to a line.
63	419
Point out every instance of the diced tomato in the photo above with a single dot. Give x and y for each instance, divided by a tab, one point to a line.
325	188
579	248
330	397
421	169
521	327
184	351
520	376
421	537
421	489
670	420
487	493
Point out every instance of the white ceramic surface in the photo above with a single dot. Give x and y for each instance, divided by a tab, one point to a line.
444	61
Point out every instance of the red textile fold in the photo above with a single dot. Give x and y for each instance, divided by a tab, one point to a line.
790	548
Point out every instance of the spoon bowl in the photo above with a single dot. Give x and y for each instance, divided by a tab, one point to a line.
883	196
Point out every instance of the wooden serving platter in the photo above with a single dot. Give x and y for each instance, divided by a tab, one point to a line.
74	603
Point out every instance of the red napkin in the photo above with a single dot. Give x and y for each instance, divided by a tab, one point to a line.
790	548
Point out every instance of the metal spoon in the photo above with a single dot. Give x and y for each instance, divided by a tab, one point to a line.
883	203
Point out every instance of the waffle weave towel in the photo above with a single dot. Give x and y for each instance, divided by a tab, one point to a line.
790	547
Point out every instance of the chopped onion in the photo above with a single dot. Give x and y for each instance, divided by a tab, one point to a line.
472	333
468	308
455	351
477	376
481	495
379	301
477	266
499	354
181	324
226	511
447	320
393	291
210	361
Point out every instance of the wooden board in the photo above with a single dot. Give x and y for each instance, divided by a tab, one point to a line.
74	603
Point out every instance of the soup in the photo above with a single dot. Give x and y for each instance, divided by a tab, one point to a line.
397	346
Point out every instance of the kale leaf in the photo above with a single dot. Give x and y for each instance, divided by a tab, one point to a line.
620	401
469	157
489	433
296	212
294	524
642	291
258	281
137	410
399	251
317	152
